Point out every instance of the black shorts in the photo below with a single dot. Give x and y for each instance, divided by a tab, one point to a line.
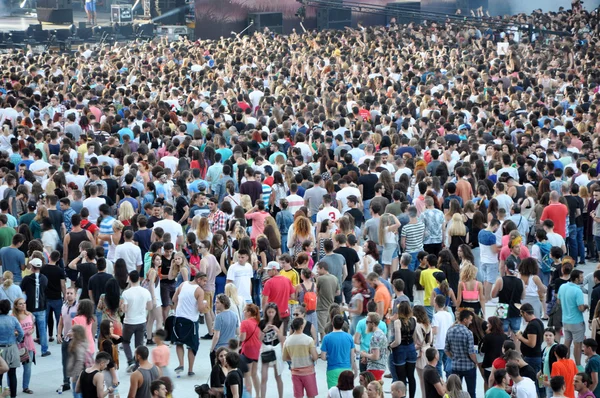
185	332
167	290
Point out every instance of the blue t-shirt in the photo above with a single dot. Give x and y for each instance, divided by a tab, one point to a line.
227	324
226	153
365	337
571	296
338	346
12	259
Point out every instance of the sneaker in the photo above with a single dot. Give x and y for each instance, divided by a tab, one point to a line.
150	342
179	369
131	368
46	354
207	336
66	387
191	374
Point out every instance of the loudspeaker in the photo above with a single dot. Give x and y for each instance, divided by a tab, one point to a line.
333	18
405	12
55	15
262	20
177	7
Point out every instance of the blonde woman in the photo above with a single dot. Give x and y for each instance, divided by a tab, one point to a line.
470	290
126	212
457	234
180	269
246	202
203	230
300	231
27	322
194	227
388	237
237	301
9	290
36	224
113	239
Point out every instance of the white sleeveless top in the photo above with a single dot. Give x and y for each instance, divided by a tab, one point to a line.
531	289
187	306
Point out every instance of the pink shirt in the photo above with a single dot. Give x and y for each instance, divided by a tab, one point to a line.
89	335
258	223
27	326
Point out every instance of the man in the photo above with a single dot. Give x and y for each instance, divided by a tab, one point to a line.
227	326
434	222
557	212
189	304
366	186
93	203
582	384
251	187
442	321
434	385
382	298
315	197
336	266
327	213
523	387
136	301
376	357
558	386
573	306
240	274
96	382
300	350
182	208
220	187
86	267
158	389
34	286
344	193
337	348
68	213
565	367
295	201
521	222
592	366
170	226
363	335
278	289
97	285
67	313
488	252
531	338
327	288
106	226
399	390
141	380
412	237
56	287
354	211
352	262
429	282
395	207
407	276
216	218
210	266
12	258
459	347
130	252
6	232
554	238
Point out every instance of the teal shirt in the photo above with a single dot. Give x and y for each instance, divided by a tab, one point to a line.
365	338
571	296
496	393
593	365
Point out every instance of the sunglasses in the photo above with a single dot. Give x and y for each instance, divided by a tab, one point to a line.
296	314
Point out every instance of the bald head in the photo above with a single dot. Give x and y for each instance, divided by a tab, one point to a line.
554	196
398	389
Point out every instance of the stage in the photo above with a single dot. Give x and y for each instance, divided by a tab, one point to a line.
22	22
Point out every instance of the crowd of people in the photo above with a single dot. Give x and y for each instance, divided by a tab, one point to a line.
408	202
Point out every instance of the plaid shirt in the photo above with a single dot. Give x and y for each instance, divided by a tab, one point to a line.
218	221
459	344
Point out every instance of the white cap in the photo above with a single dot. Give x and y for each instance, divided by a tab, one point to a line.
273	265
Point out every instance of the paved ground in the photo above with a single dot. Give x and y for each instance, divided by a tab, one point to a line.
47	374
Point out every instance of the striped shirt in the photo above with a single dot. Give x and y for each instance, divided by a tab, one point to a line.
298	347
295	202
266	194
106	228
414	236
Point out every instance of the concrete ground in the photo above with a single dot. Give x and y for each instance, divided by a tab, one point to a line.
47	374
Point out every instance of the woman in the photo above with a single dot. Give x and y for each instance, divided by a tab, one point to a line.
388	238
180	269
307	285
477	226
265	255
491	346
279	191
359	392
36	224
273	235
86	318
376	358
232	196
152	284
423	338
110	305
250	338
549	357
470	291
445	290
535	291
357	307
78	356
121	274
237	301
203	230
457	233
218	374
308	328
113	240
300	231
27	322
501	384
324	234
50	237
126	213
108	342
11	333
448	265
9	291
454	388
344	386
219	248
371	257
374	390
404	355
272	335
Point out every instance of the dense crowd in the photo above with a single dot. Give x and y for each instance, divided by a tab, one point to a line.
409	202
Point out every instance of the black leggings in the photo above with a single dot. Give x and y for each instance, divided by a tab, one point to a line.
12	380
406	373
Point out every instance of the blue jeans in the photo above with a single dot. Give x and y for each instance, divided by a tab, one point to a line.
392	368
429	310
366	210
53	306
545	277
580	245
41	325
313	218
98	321
415	262
27	371
597	242
572	241
536	364
470	377
75	394
513	324
284	248
446	361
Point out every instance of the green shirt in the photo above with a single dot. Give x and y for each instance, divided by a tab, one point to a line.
26	218
6	235
496	393
593	365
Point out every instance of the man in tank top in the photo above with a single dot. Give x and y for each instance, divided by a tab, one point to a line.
189	304
72	241
142	378
91	381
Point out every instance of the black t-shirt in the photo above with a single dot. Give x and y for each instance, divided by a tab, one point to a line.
252	189
152	220
57	219
351	259
359	217
527	371
535	327
111	188
134	192
142	238
165	268
180	204
28	286
574	203
431	377
86	271
97	284
217	377
55	274
409	279
234	377
368	182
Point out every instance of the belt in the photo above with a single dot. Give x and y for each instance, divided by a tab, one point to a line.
5	345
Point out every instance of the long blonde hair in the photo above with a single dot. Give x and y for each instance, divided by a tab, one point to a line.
178	268
125	211
385	221
15	310
203	229
468	272
78	338
232	292
458	227
8	279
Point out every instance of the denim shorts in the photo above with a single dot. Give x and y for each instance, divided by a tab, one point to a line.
513	323
490	272
404	353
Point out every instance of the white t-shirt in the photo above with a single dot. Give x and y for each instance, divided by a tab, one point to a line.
343	194
241	276
171	162
442	320
525	388
329	213
170	226
555	239
131	253
136	298
93	205
334	392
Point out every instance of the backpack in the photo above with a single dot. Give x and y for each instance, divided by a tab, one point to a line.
310	299
546	262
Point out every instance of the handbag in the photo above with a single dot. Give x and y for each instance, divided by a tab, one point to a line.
23	353
268	356
502	308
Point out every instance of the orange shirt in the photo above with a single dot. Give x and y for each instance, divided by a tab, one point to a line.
464	190
160	355
567	369
383	294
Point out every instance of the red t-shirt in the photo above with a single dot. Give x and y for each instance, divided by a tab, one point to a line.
91	227
251	345
278	290
557	212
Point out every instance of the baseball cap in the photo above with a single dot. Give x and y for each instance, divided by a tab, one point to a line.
36	262
31	205
527	308
273	265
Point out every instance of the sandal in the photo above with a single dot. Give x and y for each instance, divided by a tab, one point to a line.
27	391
